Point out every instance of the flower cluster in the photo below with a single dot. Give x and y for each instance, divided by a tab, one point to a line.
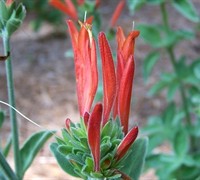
97	146
70	8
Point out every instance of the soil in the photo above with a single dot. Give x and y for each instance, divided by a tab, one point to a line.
45	83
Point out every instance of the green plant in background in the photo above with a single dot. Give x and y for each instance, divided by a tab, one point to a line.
43	12
179	124
11	17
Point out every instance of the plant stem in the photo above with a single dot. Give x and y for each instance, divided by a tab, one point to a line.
165	17
6	168
172	58
182	91
11	100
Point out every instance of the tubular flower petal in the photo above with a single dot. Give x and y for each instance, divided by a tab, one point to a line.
125	73
124	96
126	143
67	7
129	43
94	126
126	45
109	78
67	124
120	38
120	67
86	118
85	58
117	12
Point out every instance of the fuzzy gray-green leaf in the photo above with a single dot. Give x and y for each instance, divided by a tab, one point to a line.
32	146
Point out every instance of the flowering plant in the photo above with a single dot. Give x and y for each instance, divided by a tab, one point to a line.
100	146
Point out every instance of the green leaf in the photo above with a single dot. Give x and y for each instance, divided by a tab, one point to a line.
6	168
11	8
186	8
156	36
12	25
150	34
75	158
2	117
156	88
196	157
134	5
186	173
32	146
2	176
96	175
185	34
149	62
155	2
7	146
20	12
4	15
168	114
156	140
153	161
173	87
107	129
168	164
197	71
196	98
135	160
154	125
89	165
65	150
181	143
62	160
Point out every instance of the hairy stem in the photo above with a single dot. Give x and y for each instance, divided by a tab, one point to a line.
11	100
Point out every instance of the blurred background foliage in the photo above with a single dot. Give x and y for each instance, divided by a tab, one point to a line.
178	125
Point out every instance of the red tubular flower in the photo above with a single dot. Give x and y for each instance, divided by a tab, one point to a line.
126	143
117	12
94	126
125	74
86	118
125	91
109	78
67	7
84	47
67	124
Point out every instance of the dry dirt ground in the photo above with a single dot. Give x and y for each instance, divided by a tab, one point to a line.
45	83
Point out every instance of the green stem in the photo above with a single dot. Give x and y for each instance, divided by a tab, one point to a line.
165	17
11	100
174	64
182	91
6	168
